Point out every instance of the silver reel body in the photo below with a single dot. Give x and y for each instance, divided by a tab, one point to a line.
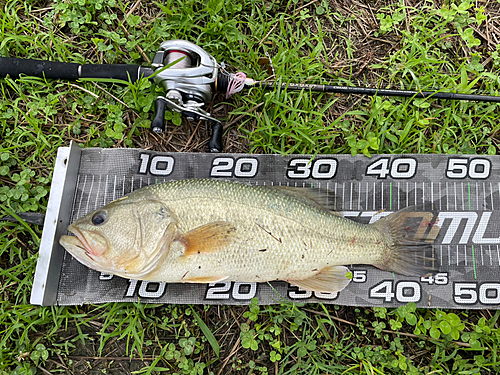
187	73
191	76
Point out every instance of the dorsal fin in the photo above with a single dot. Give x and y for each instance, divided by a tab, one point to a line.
319	198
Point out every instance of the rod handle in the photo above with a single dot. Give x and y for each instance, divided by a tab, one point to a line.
123	72
14	67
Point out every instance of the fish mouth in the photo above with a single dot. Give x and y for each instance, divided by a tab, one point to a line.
80	249
83	242
77	249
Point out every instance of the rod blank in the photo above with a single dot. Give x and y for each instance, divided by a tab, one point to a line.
381	92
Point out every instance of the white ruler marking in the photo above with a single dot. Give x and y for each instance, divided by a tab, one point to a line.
399	195
106	201
463	200
447	198
81	196
499	191
74	198
477	196
423	193
335	196
90	193
455	194
415	193
350	203
114	190
491	195
374	187
98	190
407	194
359	196
366	202
440	200
382	196
484	195
343	195
432	194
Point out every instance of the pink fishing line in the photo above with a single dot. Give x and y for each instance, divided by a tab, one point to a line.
236	83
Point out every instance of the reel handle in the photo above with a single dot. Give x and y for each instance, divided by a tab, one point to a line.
215	142
158	123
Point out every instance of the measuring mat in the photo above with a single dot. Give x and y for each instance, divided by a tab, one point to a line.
459	195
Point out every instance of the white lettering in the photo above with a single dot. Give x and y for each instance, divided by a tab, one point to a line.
456	219
376	215
481	229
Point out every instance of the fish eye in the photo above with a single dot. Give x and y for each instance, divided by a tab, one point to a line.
99	217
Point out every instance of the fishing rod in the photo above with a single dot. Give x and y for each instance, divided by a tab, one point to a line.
190	77
381	92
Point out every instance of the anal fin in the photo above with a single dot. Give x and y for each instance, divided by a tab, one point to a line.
328	280
205	280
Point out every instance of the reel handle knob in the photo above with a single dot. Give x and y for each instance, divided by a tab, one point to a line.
215	143
158	123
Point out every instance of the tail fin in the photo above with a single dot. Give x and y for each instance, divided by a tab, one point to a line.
409	234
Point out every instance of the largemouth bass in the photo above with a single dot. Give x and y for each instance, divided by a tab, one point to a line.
205	231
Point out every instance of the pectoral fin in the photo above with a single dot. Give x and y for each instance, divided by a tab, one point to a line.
328	280
208	238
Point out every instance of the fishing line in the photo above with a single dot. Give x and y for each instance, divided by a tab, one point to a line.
372	91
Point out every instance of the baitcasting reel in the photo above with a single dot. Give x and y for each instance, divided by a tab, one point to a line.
190	76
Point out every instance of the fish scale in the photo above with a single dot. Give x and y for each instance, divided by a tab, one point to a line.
219	230
283	225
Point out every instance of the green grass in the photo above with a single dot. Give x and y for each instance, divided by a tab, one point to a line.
448	46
